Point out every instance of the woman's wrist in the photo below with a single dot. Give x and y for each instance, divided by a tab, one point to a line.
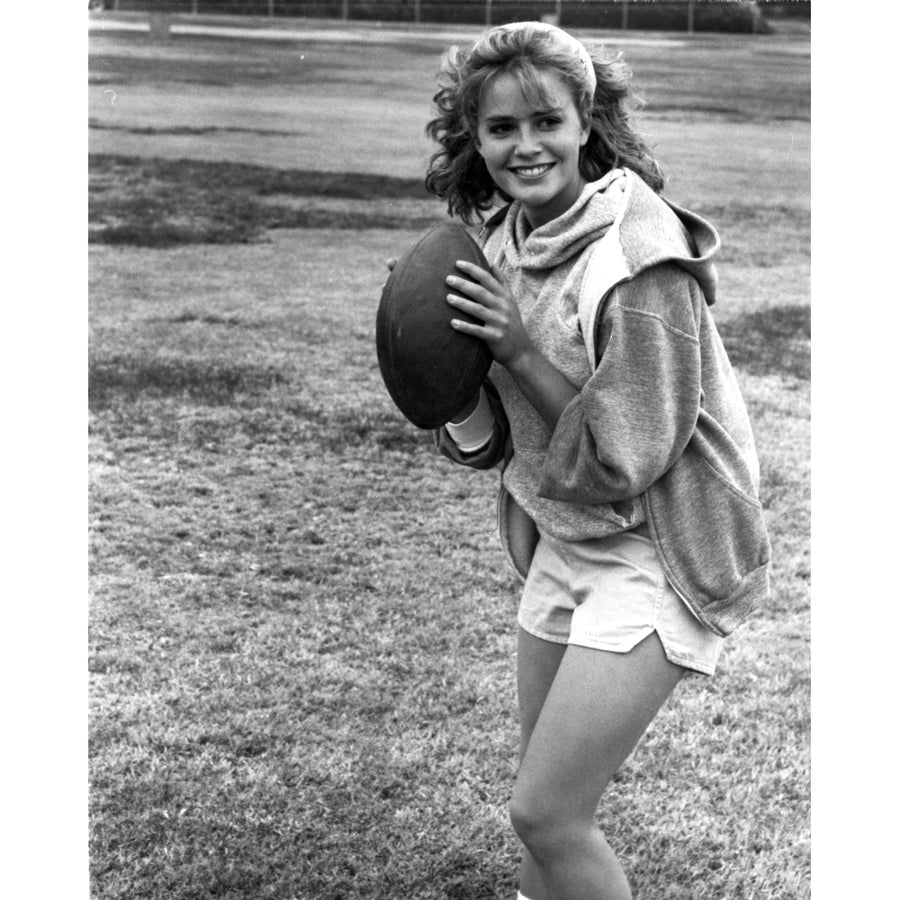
467	410
523	363
547	389
473	431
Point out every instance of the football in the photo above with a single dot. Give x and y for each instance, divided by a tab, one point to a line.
429	369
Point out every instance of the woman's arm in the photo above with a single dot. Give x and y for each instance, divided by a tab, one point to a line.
493	451
633	418
489	299
545	387
637	412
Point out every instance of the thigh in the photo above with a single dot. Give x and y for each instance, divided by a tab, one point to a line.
537	662
594	712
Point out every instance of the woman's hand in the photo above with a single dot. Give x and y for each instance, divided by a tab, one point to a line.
487	297
390	263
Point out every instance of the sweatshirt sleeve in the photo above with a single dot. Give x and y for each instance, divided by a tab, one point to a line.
636	413
491	453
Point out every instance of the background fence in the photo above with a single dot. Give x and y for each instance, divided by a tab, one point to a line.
682	15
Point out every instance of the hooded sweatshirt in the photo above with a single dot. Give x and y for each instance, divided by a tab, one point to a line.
615	293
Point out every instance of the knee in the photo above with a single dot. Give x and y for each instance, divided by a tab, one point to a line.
542	827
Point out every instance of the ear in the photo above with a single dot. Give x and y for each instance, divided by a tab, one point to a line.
585	134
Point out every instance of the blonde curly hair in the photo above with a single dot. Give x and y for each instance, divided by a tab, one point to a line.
457	173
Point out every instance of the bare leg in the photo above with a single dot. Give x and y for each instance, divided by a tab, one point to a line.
537	664
595	710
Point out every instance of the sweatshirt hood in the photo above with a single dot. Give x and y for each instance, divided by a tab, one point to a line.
638	227
651	230
587	220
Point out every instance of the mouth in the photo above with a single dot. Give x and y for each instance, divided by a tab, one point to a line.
531	172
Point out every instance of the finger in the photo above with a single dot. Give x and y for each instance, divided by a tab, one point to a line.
475	272
472	307
468	328
471	289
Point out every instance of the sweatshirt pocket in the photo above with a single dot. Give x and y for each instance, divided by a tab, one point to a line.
725	460
710	531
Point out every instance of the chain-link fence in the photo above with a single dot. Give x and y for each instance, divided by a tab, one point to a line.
680	15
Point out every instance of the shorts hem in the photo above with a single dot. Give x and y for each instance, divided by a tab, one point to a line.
597	644
693	665
543	635
685	662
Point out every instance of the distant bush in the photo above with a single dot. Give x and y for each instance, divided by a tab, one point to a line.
791	9
706	15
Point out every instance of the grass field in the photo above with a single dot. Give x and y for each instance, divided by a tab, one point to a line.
302	627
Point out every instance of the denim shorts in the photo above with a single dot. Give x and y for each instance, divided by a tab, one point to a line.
609	594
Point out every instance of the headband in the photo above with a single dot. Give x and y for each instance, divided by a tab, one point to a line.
562	39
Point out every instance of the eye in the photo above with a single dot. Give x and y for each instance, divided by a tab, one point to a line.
550	122
501	128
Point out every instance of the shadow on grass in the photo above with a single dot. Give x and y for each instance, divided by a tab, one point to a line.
193	131
164	203
189	317
138	394
262	180
124	378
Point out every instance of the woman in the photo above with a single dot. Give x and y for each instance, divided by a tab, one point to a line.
629	490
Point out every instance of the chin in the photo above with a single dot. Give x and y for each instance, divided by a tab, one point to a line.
534	196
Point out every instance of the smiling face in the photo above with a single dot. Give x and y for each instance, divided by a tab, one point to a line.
531	151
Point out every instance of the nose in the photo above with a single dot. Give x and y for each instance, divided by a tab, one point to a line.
528	143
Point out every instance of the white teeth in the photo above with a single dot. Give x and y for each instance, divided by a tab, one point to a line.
533	172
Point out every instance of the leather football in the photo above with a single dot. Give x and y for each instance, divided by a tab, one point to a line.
429	369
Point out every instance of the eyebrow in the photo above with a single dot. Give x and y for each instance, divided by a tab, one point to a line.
536	113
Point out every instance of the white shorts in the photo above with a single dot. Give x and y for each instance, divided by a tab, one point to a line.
609	594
